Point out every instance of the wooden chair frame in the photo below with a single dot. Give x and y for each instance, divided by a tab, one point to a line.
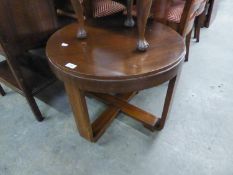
17	36
185	27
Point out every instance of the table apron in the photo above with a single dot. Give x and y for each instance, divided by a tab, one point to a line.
120	86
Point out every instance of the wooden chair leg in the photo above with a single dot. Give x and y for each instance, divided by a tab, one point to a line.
2	92
187	42
209	13
14	67
129	22
34	107
198	32
195	27
200	21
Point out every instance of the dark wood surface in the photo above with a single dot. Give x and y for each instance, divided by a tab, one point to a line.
25	25
35	81
106	66
102	58
143	11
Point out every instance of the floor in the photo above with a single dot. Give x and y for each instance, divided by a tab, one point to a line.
197	138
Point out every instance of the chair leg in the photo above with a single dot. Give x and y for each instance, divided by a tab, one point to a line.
14	67
200	22
195	27
2	92
34	107
198	28
187	42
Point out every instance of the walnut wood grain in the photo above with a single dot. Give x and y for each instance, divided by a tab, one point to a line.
106	66
130	110
106	118
24	25
79	106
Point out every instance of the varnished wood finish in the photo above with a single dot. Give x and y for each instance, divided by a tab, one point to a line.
186	24
23	26
106	118
79	107
188	16
199	21
99	58
143	11
81	33
160	10
7	77
130	110
105	66
129	22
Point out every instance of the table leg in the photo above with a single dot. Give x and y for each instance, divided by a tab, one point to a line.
93	131
167	103
79	107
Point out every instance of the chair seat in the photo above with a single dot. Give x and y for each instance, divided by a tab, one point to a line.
134	12
201	8
175	12
106	7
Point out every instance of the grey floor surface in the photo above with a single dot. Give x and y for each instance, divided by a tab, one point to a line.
197	138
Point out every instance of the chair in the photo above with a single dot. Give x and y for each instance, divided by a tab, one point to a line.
25	25
181	16
99	8
178	14
200	19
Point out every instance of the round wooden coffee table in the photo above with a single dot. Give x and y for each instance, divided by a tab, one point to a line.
107	63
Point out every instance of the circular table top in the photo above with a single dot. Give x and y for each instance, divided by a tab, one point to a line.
109	53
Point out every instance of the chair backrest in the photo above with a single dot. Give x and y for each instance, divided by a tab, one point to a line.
188	16
88	8
160	9
25	24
